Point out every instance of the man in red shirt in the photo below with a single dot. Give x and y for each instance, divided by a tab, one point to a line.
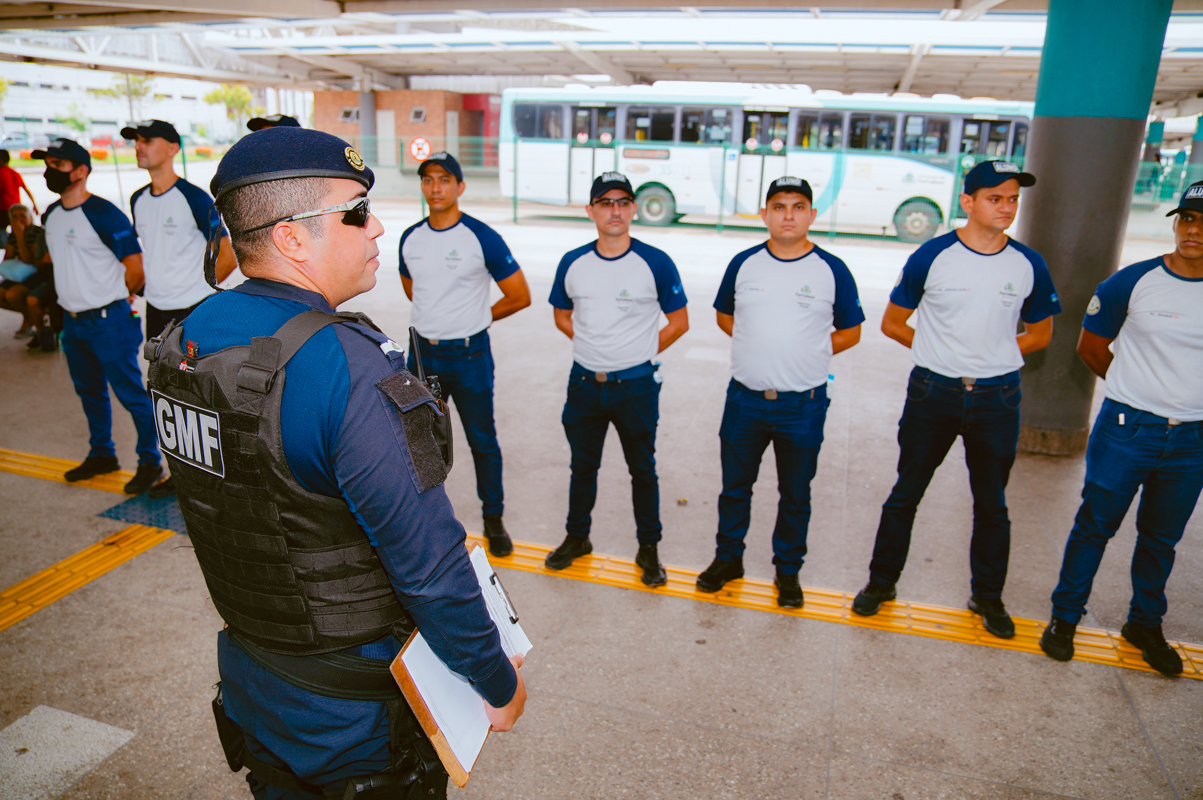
11	184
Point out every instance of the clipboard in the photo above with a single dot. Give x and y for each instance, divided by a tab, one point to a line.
453	705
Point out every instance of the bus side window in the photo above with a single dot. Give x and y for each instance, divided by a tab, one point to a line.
705	126
1000	135
1021	140
927	136
858	131
525	119
881	135
551	122
831	131
607	121
807	136
912	135
971	134
650	124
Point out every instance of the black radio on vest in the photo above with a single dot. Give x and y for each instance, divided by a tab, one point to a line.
433	382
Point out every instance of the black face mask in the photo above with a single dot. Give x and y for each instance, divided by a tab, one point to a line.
57	181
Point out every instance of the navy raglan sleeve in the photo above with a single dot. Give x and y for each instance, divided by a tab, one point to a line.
668	281
133	204
112	226
846	311
724	302
498	260
559	291
1043	302
201	205
401	251
417	537
1108	308
909	289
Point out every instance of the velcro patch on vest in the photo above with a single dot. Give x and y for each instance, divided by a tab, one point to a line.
427	431
189	433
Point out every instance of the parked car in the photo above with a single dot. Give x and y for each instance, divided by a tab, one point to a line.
102	140
23	141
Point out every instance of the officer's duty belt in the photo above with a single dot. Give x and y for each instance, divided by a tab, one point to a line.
96	313
637	371
338	675
968	384
464	342
817	393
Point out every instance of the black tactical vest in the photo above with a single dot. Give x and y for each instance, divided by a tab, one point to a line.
286	568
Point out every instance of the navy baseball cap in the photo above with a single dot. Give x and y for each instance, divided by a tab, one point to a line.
1192	199
68	149
150	128
272	121
277	154
788	183
607	181
994	173
444	160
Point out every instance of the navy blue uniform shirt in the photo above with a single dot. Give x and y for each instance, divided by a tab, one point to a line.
343	438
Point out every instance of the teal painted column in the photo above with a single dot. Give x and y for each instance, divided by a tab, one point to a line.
1084	148
1153	140
1196	145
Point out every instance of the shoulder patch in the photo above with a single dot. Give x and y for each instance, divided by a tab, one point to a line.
427	428
1095	306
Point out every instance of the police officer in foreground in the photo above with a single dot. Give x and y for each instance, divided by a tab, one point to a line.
271	121
788	306
968	290
1143	334
97	268
310	479
608	296
448	263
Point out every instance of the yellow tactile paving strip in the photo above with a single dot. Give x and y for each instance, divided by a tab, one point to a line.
40	590
52	469
920	619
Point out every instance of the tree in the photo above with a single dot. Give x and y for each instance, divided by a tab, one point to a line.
236	99
3	90
134	88
76	121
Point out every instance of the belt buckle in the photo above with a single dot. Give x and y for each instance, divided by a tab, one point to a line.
968	383
601	377
770	394
1174	422
433	341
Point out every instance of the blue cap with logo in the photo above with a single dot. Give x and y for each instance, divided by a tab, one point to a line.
446	161
607	181
150	129
995	173
1192	199
272	121
277	154
788	183
66	149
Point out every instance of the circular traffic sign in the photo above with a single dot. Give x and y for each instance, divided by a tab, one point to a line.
605	138
752	144
419	148
776	145
582	137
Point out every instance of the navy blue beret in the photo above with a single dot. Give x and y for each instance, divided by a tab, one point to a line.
276	154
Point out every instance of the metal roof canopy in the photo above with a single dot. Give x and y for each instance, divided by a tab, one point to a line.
970	48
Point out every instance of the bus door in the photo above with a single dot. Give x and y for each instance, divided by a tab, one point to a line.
699	165
592	150
542	157
762	157
867	202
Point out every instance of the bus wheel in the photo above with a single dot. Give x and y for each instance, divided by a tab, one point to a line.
656	206
916	221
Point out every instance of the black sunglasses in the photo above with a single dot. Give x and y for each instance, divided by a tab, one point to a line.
355	213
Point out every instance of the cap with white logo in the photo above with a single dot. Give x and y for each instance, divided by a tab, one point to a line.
788	183
1192	199
607	181
995	173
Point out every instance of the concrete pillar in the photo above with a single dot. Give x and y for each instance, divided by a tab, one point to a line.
1153	140
367	127
1083	149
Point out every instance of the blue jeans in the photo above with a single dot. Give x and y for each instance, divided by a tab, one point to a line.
105	349
634	408
466	375
986	417
794	424
1144	451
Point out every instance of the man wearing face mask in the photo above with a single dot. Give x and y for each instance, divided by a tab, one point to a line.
97	267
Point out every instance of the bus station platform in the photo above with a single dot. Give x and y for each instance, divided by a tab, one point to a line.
107	635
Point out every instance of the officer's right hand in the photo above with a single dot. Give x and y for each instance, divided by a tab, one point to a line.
502	719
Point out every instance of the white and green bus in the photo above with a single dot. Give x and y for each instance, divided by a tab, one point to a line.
885	165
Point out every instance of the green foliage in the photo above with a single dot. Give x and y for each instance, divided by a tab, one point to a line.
3	90
236	99
76	120
132	88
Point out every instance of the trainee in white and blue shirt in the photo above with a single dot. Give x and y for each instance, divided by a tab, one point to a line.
86	244
1156	320
785	311
174	228
451	270
969	305
616	303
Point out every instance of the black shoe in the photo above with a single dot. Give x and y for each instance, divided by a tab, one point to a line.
1057	641
1156	651
789	593
47	339
572	548
146	477
718	573
92	466
499	541
33	346
994	616
868	601
164	488
648	558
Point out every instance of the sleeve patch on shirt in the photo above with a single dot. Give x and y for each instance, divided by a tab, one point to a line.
427	429
1095	306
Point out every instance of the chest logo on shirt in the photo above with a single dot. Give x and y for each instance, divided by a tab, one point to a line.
804	296
190	434
624	301
453	260
1094	307
1008	295
71	234
169	226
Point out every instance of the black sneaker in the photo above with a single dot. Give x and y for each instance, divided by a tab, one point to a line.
994	616
718	573
92	466
572	548
868	601
47	339
495	534
164	488
146	477
1057	641
648	558
1153	647
789	593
